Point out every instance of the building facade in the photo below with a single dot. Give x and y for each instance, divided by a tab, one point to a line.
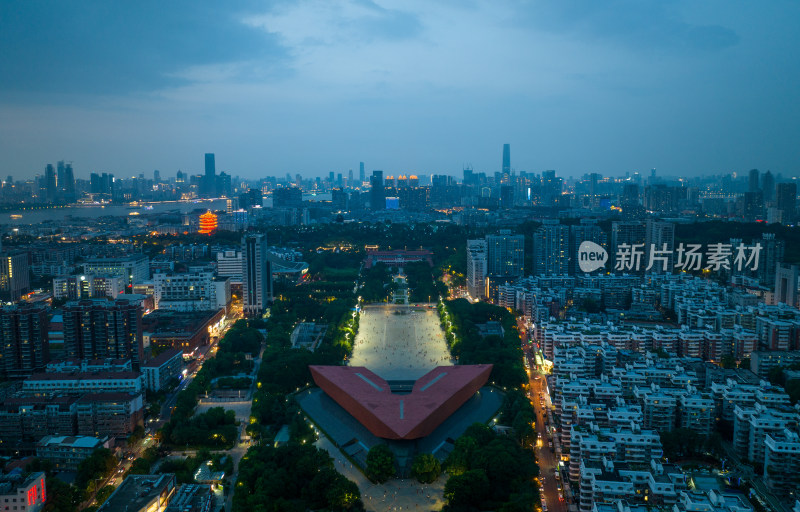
256	274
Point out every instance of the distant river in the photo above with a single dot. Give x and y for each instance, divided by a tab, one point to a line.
94	211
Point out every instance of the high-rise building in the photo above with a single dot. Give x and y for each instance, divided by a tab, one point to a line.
24	346
50	183
14	276
99	329
505	254
768	186
377	192
786	277
551	188
350	178
630	233
772	252
66	182
551	249
476	268
506	158
659	236
753	184
256	275
786	200
361	174
210	180
134	268
224	184
587	231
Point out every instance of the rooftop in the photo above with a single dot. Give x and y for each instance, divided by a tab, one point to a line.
136	492
73	441
162	358
369	398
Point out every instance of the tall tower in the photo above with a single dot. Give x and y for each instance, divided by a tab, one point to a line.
476	268
753	181
377	192
551	249
505	254
210	177
506	158
97	329
24	347
256	275
50	184
659	236
786	200
361	175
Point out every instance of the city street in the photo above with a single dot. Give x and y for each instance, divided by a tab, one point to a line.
546	455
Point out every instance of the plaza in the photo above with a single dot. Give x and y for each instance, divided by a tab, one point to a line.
400	342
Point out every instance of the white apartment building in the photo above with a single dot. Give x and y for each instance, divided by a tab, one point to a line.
79	382
191	291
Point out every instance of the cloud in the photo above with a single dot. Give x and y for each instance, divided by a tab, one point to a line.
639	25
100	47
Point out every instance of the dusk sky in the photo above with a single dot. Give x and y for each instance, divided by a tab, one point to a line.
410	86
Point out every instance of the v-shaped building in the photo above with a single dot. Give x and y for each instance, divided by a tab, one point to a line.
401	415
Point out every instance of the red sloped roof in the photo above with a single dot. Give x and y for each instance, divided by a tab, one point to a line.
435	396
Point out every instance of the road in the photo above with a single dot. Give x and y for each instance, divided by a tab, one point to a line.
243	415
746	471
546	455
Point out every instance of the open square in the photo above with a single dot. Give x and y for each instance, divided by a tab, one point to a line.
400	342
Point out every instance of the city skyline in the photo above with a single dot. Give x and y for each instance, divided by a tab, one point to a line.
429	89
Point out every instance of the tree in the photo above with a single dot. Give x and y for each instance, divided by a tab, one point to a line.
380	464
97	465
426	468
61	496
468	491
103	494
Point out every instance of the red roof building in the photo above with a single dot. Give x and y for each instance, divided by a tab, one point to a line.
434	397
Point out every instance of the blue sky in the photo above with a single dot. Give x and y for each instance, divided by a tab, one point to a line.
426	86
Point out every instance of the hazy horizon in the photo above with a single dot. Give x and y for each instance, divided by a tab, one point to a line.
407	87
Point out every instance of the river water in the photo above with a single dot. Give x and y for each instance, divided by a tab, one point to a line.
94	211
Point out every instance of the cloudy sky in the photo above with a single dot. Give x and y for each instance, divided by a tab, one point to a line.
421	86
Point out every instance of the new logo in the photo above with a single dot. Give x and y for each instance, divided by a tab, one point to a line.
591	256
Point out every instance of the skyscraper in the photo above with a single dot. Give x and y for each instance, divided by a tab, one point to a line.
98	329
768	186
50	184
256	275
476	268
786	276
361	175
377	192
506	158
630	233
66	182
505	254
786	200
210	180
659	236
551	249
14	276
772	253
24	346
753	183
587	231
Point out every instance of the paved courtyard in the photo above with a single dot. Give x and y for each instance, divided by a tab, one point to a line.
399	343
